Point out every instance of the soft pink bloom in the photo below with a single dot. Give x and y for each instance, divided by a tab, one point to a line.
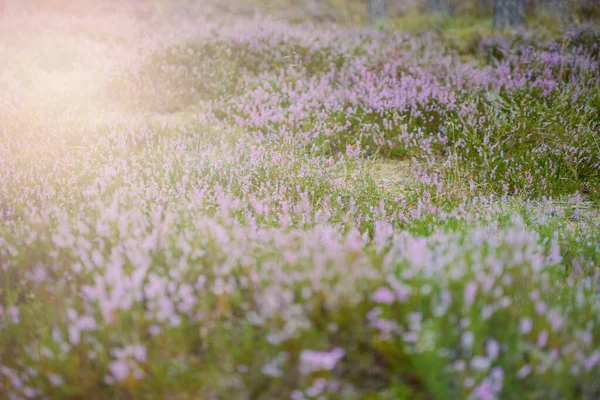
540	308
470	293
55	380
525	325
492	349
467	339
119	369
524	371
86	323
479	363
14	314
484	391
384	295
74	334
320	360
591	361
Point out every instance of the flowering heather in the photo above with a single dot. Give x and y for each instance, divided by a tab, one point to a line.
190	209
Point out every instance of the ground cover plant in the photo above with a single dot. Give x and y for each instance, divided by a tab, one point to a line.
195	208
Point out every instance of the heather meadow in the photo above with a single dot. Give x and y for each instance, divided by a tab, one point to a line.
201	205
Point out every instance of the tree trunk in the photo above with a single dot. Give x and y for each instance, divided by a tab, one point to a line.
509	13
487	5
439	7
560	10
377	11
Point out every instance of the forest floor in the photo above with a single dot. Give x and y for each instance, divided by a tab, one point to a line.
236	205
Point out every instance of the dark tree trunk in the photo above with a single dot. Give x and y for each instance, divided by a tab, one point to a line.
509	13
440	7
377	11
560	10
487	5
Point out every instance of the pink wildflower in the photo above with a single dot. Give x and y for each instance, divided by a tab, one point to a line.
384	295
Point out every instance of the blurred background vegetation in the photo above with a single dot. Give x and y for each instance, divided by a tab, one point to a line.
409	15
463	25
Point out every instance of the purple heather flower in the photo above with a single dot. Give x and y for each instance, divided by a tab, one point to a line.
384	295
311	361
